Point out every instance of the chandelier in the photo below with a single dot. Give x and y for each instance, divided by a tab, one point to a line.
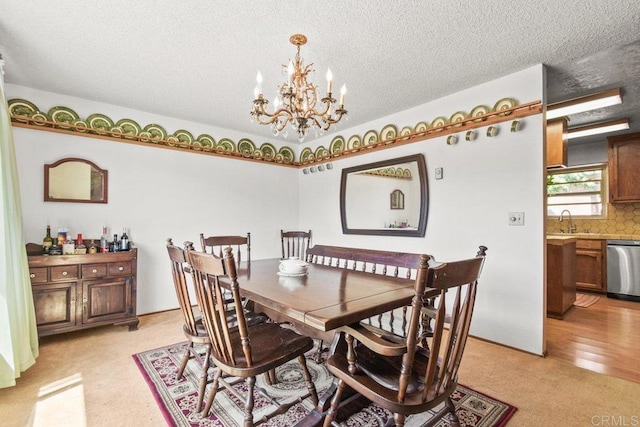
297	99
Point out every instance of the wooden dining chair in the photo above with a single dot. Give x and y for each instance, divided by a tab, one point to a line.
247	350
401	375
295	243
193	327
217	244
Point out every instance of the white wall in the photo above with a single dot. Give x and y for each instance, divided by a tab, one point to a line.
483	181
163	193
154	193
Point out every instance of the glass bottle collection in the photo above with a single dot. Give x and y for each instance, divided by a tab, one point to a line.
65	245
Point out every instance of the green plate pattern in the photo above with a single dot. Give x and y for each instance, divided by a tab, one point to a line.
458	117
227	145
421	127
268	151
354	142
504	104
479	110
321	152
306	155
207	142
438	121
388	134
129	127
337	145
100	123
370	137
156	131
63	116
245	145
22	107
40	119
288	156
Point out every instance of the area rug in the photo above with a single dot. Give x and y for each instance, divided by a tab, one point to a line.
585	300
177	399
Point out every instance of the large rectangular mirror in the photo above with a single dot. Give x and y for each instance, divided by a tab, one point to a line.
75	180
388	198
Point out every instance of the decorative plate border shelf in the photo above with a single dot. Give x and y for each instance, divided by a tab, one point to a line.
61	119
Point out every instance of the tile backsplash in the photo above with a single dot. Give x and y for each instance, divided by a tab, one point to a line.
621	219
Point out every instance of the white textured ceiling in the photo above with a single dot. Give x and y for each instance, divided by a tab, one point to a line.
197	60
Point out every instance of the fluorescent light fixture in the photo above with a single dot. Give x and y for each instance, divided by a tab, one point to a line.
584	103
595	129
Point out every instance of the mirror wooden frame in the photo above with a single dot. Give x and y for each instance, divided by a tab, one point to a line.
424	198
102	197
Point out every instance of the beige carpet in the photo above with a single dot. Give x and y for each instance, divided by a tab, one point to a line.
89	378
585	300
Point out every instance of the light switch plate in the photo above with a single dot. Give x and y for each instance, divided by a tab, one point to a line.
516	218
439	173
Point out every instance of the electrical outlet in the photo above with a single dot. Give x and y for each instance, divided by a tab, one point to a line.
516	218
439	173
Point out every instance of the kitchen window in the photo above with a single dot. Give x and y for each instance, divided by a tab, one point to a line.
581	190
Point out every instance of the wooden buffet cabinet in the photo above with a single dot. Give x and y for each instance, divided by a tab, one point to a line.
72	292
561	275
624	168
591	269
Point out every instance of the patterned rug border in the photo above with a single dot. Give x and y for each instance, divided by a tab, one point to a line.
503	417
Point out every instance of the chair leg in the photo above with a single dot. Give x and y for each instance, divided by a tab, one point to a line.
335	402
308	380
212	393
185	360
453	418
248	404
204	376
399	419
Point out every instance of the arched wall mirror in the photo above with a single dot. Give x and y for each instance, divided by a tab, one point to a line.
388	198
75	180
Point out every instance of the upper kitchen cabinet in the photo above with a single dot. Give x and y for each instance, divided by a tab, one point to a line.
624	168
557	142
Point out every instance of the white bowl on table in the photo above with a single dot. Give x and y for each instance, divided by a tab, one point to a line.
293	267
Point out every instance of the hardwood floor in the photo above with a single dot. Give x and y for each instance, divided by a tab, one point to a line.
604	338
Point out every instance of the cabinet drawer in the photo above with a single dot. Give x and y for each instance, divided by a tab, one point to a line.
38	275
94	270
64	272
120	268
589	244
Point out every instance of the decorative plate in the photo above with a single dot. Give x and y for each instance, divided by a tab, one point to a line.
63	115
39	119
80	124
257	153
354	142
370	137
505	104
196	145
207	141
321	152
245	145
279	158
406	174
421	127
388	134
119	132
172	141
22	107
156	131
438	122
184	136
288	155
130	128
100	123
145	136
306	155
406	131
337	145
458	117
479	110
227	145
268	151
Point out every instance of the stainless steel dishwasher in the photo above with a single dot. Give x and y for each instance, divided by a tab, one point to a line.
623	269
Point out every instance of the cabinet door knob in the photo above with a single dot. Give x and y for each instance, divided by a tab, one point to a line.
32	275
94	271
120	268
64	273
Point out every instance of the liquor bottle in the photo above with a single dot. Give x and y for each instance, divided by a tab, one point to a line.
124	241
81	249
92	248
104	241
68	247
47	242
113	247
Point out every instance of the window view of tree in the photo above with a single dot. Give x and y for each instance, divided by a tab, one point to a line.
580	190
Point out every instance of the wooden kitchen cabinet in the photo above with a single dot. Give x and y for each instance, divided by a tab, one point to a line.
561	276
624	168
557	143
591	267
72	292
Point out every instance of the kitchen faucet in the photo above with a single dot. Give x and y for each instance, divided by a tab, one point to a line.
572	227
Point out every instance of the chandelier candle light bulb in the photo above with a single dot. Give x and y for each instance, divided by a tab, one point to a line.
329	80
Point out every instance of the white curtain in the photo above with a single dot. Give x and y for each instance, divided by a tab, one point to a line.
18	333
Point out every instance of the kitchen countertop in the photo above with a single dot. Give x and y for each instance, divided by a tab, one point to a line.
594	236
